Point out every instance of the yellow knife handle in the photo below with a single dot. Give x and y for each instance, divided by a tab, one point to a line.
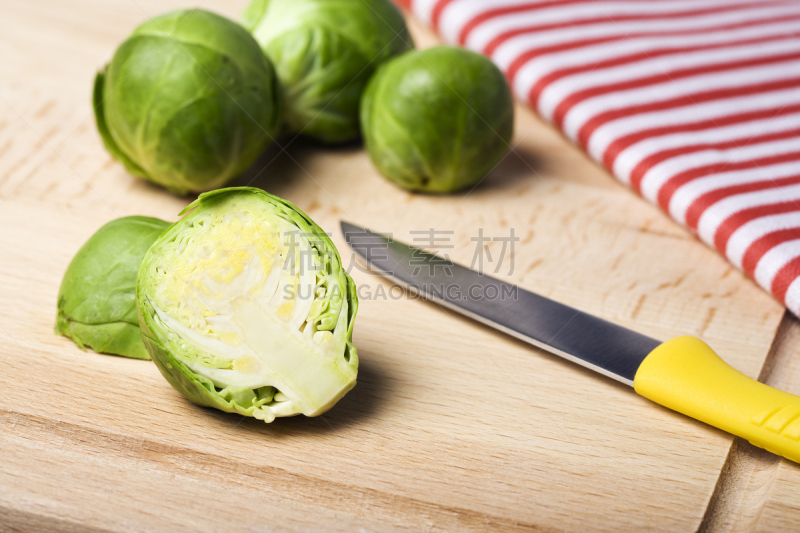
686	375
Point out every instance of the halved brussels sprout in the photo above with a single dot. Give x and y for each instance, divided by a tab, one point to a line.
437	120
97	299
188	101
244	306
324	53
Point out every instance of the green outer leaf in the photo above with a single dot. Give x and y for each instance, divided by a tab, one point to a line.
253	13
324	52
199	389
97	298
114	338
102	127
437	120
189	99
322	90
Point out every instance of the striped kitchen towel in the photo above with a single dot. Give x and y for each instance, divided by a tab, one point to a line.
694	104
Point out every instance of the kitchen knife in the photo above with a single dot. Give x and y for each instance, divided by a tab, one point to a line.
683	374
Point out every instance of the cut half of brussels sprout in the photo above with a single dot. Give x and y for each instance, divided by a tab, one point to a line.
97	298
244	306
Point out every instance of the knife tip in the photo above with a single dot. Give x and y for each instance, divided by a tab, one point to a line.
348	229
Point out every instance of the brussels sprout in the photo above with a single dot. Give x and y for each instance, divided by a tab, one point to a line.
97	299
244	306
324	52
437	120
188	101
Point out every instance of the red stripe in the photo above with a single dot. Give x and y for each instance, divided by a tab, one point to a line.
436	13
785	276
506	35
542	83
764	244
529	54
705	201
575	98
682	178
649	162
508	10
737	220
680	101
405	4
617	146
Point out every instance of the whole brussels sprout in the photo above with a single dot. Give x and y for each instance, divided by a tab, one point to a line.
324	52
97	299
188	101
437	120
244	306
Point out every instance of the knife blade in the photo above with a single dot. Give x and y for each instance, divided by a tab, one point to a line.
683	374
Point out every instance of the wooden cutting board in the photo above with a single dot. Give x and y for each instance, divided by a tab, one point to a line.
452	426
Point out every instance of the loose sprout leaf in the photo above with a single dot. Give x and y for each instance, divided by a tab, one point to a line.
97	298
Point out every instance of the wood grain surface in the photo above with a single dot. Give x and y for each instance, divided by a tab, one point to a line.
452	426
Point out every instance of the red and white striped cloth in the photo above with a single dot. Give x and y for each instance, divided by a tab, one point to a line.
695	104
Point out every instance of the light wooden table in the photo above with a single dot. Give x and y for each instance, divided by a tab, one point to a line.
452	426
